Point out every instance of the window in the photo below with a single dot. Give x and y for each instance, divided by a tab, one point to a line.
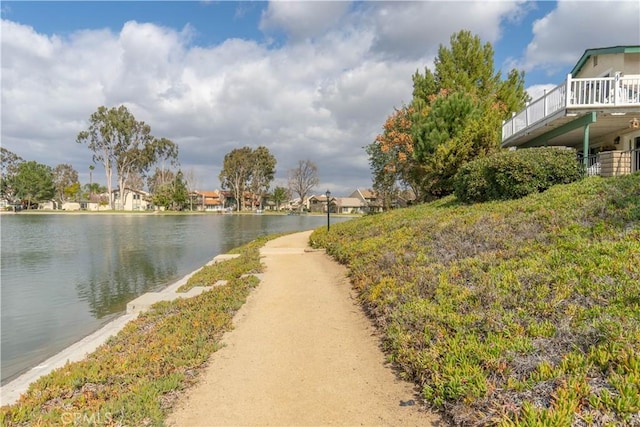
595	60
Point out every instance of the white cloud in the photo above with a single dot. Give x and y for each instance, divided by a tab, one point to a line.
322	96
416	29
303	19
562	36
47	91
208	100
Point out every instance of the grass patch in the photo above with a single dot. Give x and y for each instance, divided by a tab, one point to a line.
134	378
523	312
247	263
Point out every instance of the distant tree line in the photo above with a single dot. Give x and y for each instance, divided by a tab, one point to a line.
30	183
126	148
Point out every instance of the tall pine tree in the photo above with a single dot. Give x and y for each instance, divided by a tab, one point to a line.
458	109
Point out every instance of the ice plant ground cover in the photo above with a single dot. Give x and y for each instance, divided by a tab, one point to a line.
524	312
135	376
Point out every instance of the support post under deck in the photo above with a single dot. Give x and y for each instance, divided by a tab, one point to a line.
585	145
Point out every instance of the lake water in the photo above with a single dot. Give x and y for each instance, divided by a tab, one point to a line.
64	276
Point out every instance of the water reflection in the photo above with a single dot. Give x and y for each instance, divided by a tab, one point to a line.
127	262
64	276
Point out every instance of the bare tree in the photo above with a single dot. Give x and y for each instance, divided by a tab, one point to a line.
159	178
192	184
302	179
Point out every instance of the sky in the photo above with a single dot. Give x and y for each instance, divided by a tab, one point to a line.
309	80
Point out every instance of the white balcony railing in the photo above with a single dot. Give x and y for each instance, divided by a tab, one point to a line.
603	92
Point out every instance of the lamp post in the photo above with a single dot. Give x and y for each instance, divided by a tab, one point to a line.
328	194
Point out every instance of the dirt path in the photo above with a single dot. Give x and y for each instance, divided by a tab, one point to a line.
301	354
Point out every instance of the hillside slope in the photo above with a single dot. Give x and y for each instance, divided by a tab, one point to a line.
509	313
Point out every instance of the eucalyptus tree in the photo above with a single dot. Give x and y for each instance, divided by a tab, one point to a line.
262	173
248	170
120	141
167	157
236	172
302	179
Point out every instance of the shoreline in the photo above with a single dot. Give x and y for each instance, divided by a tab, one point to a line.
13	389
151	213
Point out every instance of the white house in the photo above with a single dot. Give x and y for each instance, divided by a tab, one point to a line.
135	200
48	205
349	205
596	110
339	205
369	198
84	206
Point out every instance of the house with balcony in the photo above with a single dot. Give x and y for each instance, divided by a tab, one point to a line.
208	201
249	200
596	110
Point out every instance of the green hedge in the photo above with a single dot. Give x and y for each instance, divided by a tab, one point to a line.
514	174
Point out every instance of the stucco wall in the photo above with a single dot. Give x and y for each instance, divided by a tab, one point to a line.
609	63
632	64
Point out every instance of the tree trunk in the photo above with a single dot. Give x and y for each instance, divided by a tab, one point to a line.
122	185
109	173
123	195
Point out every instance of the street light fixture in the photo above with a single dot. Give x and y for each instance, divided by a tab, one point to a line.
328	194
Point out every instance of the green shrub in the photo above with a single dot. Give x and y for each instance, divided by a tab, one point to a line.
514	174
470	182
